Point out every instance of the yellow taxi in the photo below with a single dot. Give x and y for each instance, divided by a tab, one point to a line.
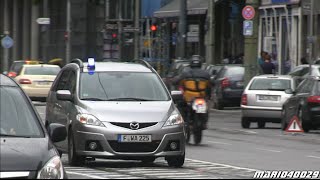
36	80
17	65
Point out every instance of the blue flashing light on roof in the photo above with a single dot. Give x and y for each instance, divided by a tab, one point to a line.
91	65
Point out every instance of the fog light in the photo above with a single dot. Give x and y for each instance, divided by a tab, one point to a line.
173	146
93	146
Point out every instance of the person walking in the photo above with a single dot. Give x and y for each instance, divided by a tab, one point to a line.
268	67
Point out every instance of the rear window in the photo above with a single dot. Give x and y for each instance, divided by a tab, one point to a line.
234	71
16	67
42	70
270	84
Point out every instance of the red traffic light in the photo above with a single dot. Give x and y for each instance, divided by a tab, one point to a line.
114	35
153	28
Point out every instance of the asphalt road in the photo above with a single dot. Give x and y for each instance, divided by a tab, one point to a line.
227	151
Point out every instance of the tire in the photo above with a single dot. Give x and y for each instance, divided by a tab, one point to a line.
60	153
261	124
284	123
73	158
188	133
197	129
219	105
197	135
305	126
176	161
245	122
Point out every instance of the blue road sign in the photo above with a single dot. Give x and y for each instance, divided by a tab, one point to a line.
248	28
7	42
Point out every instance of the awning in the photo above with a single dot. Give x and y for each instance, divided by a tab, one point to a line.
195	7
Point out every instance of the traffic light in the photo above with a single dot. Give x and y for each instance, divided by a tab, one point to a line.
153	28
114	37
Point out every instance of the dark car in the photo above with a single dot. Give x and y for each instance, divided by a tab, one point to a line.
26	150
16	66
228	86
213	70
174	70
302	71
305	104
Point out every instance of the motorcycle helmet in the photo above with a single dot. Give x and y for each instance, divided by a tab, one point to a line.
196	62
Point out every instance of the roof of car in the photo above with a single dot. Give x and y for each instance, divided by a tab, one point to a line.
274	76
117	66
6	81
40	65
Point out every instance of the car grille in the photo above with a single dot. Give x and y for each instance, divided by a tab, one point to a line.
127	125
134	147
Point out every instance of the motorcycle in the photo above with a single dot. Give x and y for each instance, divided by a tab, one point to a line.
197	116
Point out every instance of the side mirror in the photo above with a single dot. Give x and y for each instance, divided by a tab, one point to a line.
57	132
64	95
289	91
212	79
177	96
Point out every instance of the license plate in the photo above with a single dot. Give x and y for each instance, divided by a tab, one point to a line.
240	84
44	82
268	98
134	138
201	109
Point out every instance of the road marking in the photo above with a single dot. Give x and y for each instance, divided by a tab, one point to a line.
269	150
215	142
316	157
226	165
246	131
87	175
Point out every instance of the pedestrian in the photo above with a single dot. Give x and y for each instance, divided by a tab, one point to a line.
268	67
261	60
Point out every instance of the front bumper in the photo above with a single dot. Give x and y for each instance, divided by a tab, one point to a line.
107	139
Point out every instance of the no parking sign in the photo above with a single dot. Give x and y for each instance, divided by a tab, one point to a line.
248	12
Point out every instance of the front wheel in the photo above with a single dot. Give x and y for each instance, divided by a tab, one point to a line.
73	158
176	161
261	124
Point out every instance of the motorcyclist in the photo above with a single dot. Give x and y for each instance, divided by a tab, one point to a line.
195	83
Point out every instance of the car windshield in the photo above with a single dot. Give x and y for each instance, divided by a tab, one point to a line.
42	70
126	86
270	84
17	118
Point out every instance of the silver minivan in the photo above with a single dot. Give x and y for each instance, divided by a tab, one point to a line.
263	98
118	111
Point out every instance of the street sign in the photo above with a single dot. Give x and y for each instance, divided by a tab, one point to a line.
294	125
43	21
248	28
131	29
248	12
7	42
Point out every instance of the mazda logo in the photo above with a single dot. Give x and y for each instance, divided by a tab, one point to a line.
134	126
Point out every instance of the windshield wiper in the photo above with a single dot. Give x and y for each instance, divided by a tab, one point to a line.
15	136
128	99
92	99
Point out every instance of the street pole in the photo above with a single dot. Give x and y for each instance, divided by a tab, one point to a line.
68	31
311	36
120	30
182	28
46	32
6	32
251	45
137	26
210	58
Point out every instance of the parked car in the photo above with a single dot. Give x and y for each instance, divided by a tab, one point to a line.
16	66
135	118
26	151
305	104
173	72
263	98
301	72
36	80
228	86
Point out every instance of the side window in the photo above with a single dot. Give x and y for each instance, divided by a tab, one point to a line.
72	82
302	86
62	82
296	71
306	86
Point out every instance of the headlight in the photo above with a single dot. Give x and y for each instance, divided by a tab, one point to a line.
52	170
89	120
174	119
